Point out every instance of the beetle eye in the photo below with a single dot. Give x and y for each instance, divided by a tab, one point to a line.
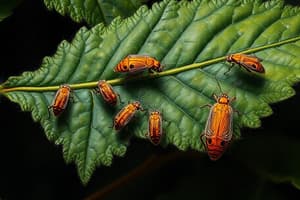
223	143
125	67
131	66
209	141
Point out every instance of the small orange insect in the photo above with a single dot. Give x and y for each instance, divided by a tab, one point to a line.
250	63
60	100
155	127
136	63
125	115
107	92
218	128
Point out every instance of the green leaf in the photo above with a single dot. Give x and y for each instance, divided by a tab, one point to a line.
191	39
6	7
93	11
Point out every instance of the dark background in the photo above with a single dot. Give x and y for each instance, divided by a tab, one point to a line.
31	167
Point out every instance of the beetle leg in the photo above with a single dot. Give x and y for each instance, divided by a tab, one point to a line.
203	143
230	141
113	124
120	99
49	107
236	111
215	97
233	137
166	121
152	71
229	69
232	99
206	105
96	90
72	97
143	109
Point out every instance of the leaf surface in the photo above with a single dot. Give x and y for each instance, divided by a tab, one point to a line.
93	11
178	34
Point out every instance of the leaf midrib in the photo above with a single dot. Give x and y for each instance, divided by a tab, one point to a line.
120	81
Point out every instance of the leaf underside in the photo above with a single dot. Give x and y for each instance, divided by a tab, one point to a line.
93	11
177	34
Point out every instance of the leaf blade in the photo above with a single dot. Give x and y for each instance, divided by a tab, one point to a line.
93	53
94	12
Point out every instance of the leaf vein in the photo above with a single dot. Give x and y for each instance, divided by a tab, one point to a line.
125	37
184	29
170	100
77	61
57	65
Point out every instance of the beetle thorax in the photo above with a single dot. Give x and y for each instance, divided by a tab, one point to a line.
223	99
157	65
137	105
229	58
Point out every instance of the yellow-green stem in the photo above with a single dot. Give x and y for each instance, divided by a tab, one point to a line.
119	81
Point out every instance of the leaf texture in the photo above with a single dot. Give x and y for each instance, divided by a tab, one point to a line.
177	34
93	11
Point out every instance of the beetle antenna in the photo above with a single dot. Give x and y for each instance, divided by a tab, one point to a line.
219	85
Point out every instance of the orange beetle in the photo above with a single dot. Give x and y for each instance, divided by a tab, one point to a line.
155	127
137	63
125	114
60	100
218	128
250	63
107	92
